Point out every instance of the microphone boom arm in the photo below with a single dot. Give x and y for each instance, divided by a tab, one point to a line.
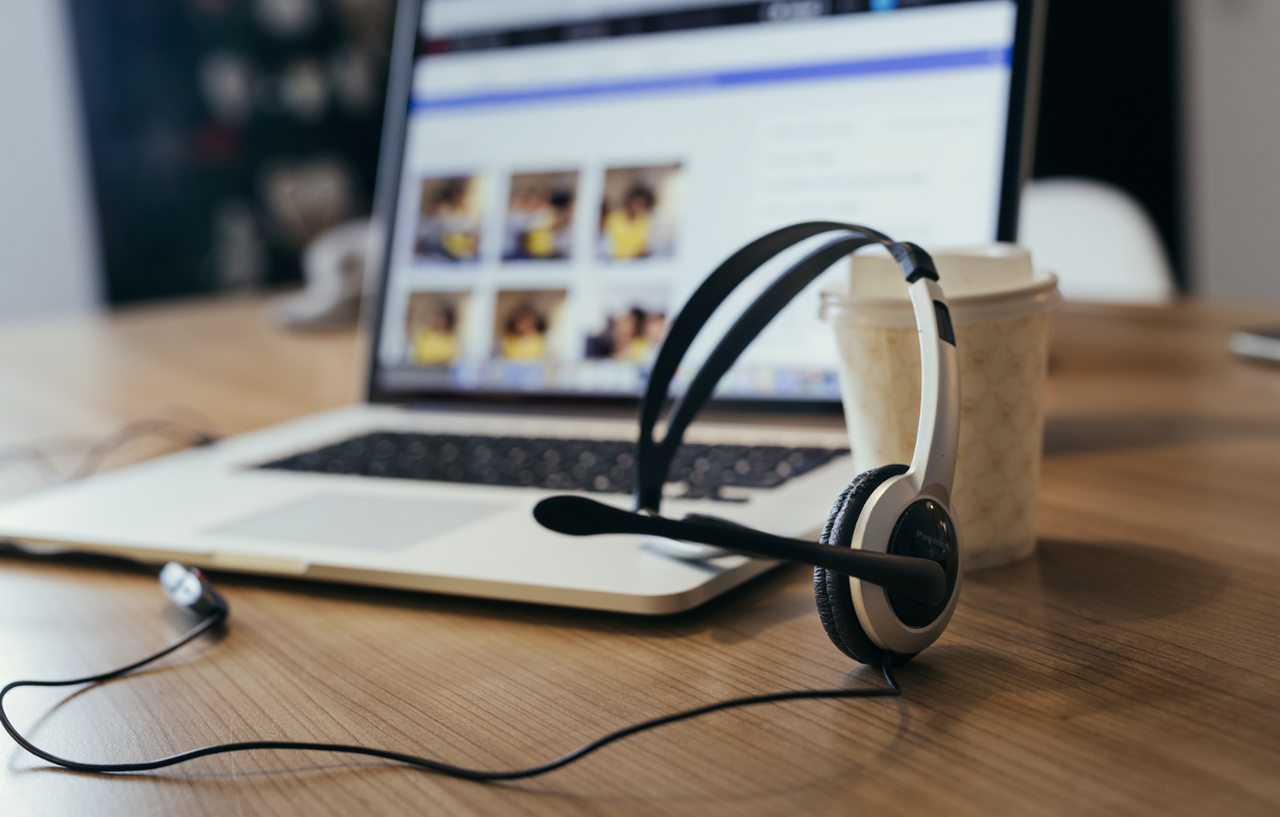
921	579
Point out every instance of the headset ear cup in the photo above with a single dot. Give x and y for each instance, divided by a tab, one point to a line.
831	589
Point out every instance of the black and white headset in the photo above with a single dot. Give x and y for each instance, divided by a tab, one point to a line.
887	567
889	561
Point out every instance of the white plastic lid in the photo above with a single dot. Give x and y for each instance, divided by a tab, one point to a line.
982	284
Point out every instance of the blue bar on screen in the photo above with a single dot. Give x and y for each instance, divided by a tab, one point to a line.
909	63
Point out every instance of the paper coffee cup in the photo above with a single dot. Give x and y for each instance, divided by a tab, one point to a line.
1000	309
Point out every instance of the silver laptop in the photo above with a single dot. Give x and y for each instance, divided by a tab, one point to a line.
556	179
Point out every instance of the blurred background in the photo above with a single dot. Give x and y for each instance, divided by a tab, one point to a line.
162	148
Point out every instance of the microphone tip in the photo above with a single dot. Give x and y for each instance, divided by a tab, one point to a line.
570	515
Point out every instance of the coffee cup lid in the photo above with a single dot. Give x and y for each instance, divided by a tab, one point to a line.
985	283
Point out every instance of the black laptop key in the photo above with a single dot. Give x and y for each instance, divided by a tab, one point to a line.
600	466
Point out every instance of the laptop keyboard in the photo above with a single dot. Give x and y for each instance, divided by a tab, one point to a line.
600	466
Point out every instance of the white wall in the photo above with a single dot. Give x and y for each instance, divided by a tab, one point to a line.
48	245
1231	76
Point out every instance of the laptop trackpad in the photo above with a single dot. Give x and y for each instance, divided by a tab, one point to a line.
371	522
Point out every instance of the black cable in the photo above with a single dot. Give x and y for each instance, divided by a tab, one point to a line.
39	459
175	430
438	766
94	453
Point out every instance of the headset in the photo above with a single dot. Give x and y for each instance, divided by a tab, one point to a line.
886	568
888	564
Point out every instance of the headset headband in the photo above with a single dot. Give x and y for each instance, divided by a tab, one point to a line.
936	437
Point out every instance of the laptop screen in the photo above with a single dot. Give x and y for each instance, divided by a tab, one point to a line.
572	170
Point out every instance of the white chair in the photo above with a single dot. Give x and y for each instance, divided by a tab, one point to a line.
1097	238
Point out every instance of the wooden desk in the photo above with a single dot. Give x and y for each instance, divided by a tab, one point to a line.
1131	668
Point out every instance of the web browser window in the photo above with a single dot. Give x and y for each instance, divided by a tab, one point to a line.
573	170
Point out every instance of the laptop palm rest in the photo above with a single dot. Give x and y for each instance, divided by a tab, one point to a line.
370	522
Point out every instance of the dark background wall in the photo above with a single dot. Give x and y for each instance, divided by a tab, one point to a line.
225	134
1109	104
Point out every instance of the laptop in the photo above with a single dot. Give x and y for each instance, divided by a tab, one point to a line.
555	180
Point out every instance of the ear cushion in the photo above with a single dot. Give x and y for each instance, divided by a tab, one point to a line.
830	588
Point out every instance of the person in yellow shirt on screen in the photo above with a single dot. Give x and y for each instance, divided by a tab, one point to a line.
460	240
448	228
524	336
629	342
627	230
435	342
548	232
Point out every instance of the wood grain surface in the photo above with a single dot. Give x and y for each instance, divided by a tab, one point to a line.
1132	667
